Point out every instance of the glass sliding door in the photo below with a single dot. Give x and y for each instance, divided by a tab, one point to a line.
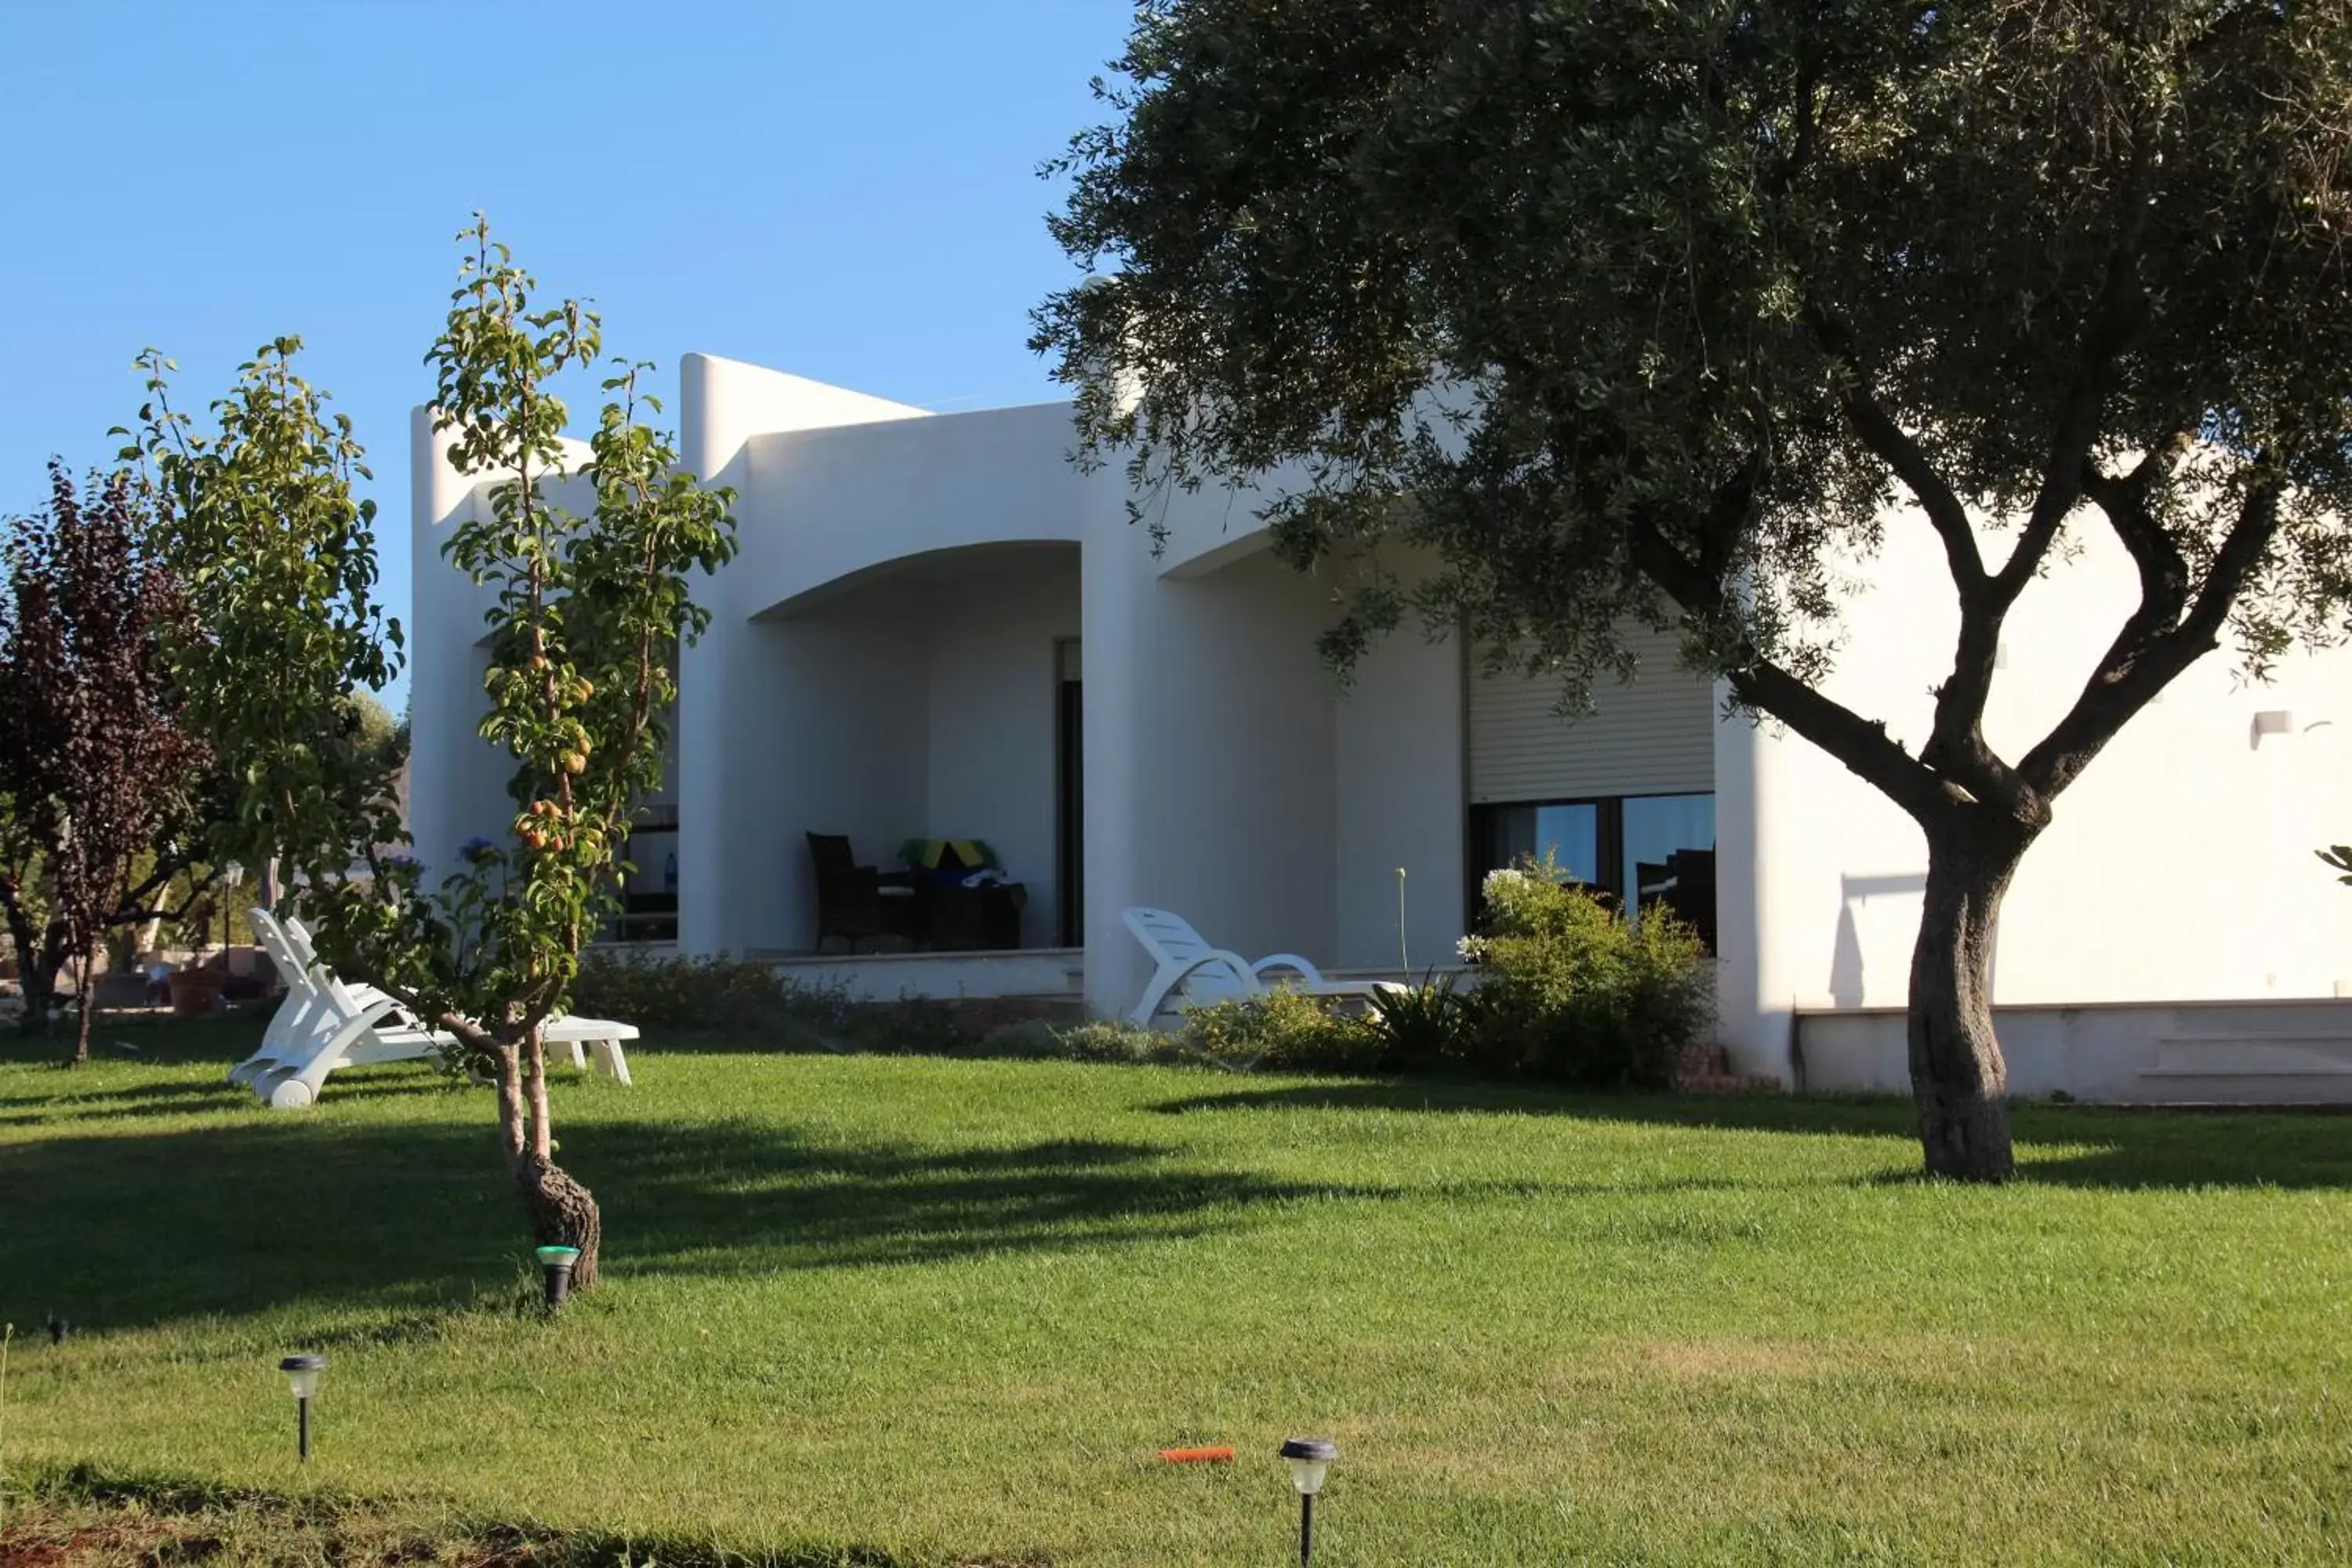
1637	849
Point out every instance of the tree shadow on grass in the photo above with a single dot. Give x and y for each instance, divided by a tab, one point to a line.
2069	1145
223	1038
70	1104
114	1232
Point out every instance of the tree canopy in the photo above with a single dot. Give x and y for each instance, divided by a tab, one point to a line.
103	787
587	615
1643	315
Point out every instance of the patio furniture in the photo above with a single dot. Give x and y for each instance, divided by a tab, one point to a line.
1186	966
966	903
951	855
324	1025
857	904
583	1037
958	918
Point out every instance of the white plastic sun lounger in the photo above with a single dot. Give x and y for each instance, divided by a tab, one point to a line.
324	1025
315	1012
1189	973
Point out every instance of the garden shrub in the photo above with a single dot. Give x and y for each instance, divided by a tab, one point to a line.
1105	1040
751	1000
1089	1042
1281	1031
714	992
1433	1028
1422	1029
1573	992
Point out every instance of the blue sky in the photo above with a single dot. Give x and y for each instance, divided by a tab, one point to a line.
845	190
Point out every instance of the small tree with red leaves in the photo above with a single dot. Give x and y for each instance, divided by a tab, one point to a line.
99	782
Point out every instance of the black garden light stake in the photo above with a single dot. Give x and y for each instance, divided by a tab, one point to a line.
557	1262
1310	1459
302	1376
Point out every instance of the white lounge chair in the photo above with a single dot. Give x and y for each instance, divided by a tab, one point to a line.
1192	973
315	1011
324	1025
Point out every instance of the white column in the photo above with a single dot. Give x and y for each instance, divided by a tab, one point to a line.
444	692
1210	752
1116	626
711	448
1754	994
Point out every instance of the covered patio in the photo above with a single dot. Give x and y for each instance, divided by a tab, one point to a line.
915	728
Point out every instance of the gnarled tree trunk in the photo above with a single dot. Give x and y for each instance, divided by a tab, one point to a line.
1958	1082
562	1212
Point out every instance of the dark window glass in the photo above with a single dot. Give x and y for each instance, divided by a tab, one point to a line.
1569	834
1637	849
1669	850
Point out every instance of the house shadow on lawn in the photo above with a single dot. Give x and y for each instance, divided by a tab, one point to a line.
2064	1145
116	1232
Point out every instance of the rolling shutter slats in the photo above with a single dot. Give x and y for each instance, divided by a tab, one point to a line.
1653	737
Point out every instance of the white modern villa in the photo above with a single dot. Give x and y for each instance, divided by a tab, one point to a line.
941	642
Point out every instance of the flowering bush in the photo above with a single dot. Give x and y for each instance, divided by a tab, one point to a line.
1574	992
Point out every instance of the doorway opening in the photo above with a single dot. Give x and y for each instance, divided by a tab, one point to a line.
1070	795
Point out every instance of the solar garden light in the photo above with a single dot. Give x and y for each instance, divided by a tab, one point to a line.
1310	1459
302	1376
557	1261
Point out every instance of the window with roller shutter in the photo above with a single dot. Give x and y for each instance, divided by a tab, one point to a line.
1655	736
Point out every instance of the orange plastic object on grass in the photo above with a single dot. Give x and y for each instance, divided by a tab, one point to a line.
1197	1456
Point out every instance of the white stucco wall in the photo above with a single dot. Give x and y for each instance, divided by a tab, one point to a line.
993	722
445	691
1398	789
1210	751
456	782
822	508
725	754
2179	866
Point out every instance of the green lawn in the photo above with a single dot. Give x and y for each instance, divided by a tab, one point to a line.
896	1311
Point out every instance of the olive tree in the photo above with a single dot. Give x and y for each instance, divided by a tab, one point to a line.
1641	314
588	612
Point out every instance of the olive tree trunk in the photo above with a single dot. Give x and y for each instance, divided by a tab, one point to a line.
1958	1082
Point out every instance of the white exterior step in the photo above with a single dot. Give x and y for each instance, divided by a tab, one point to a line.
2252	1055
2254	1067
